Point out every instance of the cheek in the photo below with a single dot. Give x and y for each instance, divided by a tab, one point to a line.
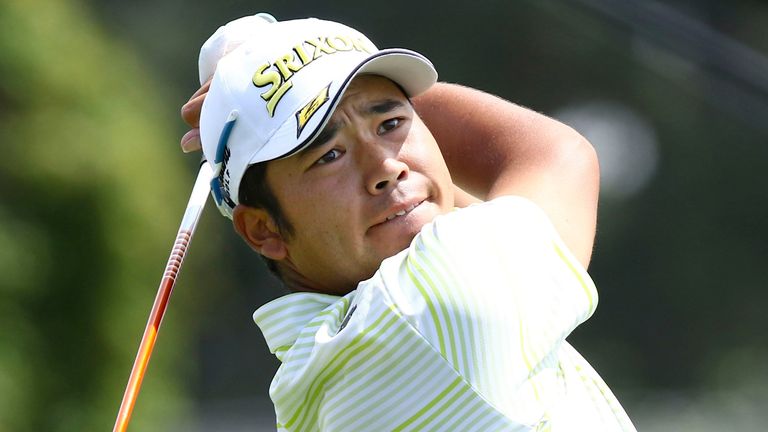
322	209
426	156
325	245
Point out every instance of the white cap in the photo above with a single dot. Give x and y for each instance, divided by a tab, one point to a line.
226	39
272	95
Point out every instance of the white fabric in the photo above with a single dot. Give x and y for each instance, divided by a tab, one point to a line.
225	39
463	331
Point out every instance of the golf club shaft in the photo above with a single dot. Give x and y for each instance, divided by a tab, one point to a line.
183	238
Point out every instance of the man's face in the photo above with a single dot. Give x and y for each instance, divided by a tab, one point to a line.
363	189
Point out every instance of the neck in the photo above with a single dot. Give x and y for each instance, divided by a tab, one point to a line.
295	281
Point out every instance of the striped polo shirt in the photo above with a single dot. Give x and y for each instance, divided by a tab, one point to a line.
463	331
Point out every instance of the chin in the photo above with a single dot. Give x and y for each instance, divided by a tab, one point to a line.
398	245
395	236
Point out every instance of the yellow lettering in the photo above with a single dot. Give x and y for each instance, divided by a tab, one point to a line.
360	45
286	66
275	99
279	78
306	113
320	47
305	58
339	43
261	79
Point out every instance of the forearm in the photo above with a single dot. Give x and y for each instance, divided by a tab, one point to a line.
493	148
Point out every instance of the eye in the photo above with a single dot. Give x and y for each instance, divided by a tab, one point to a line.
388	125
329	157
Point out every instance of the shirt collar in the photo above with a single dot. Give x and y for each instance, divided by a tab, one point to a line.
282	320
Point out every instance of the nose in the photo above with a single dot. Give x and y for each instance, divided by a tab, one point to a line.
382	169
390	173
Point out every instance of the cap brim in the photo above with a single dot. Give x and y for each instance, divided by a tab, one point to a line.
409	69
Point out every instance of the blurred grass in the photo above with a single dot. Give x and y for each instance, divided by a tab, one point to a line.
89	208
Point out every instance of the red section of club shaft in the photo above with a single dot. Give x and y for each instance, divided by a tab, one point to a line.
150	332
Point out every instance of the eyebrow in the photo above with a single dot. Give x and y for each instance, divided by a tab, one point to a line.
383	107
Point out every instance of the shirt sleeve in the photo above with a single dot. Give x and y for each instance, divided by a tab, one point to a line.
493	288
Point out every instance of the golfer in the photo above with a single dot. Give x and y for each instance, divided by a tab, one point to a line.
434	238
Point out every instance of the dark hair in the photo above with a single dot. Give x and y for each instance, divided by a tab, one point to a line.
255	192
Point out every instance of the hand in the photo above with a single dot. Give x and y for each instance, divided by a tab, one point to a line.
190	112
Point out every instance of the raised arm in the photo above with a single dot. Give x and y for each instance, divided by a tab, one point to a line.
494	148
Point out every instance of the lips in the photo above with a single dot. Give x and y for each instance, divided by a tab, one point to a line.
405	218
404	211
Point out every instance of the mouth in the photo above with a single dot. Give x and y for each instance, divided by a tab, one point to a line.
404	211
401	220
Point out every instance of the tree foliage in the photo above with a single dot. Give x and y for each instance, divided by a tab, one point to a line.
89	198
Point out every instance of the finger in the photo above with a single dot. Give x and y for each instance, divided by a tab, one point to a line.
191	141
203	89
190	112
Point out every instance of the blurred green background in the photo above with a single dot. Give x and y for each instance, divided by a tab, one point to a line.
674	96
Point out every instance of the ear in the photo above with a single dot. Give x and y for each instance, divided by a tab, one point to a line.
258	229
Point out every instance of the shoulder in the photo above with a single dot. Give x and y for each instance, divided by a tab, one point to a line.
507	223
503	219
484	246
501	207
501	249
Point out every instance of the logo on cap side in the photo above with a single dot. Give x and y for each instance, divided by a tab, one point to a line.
220	181
277	74
307	111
